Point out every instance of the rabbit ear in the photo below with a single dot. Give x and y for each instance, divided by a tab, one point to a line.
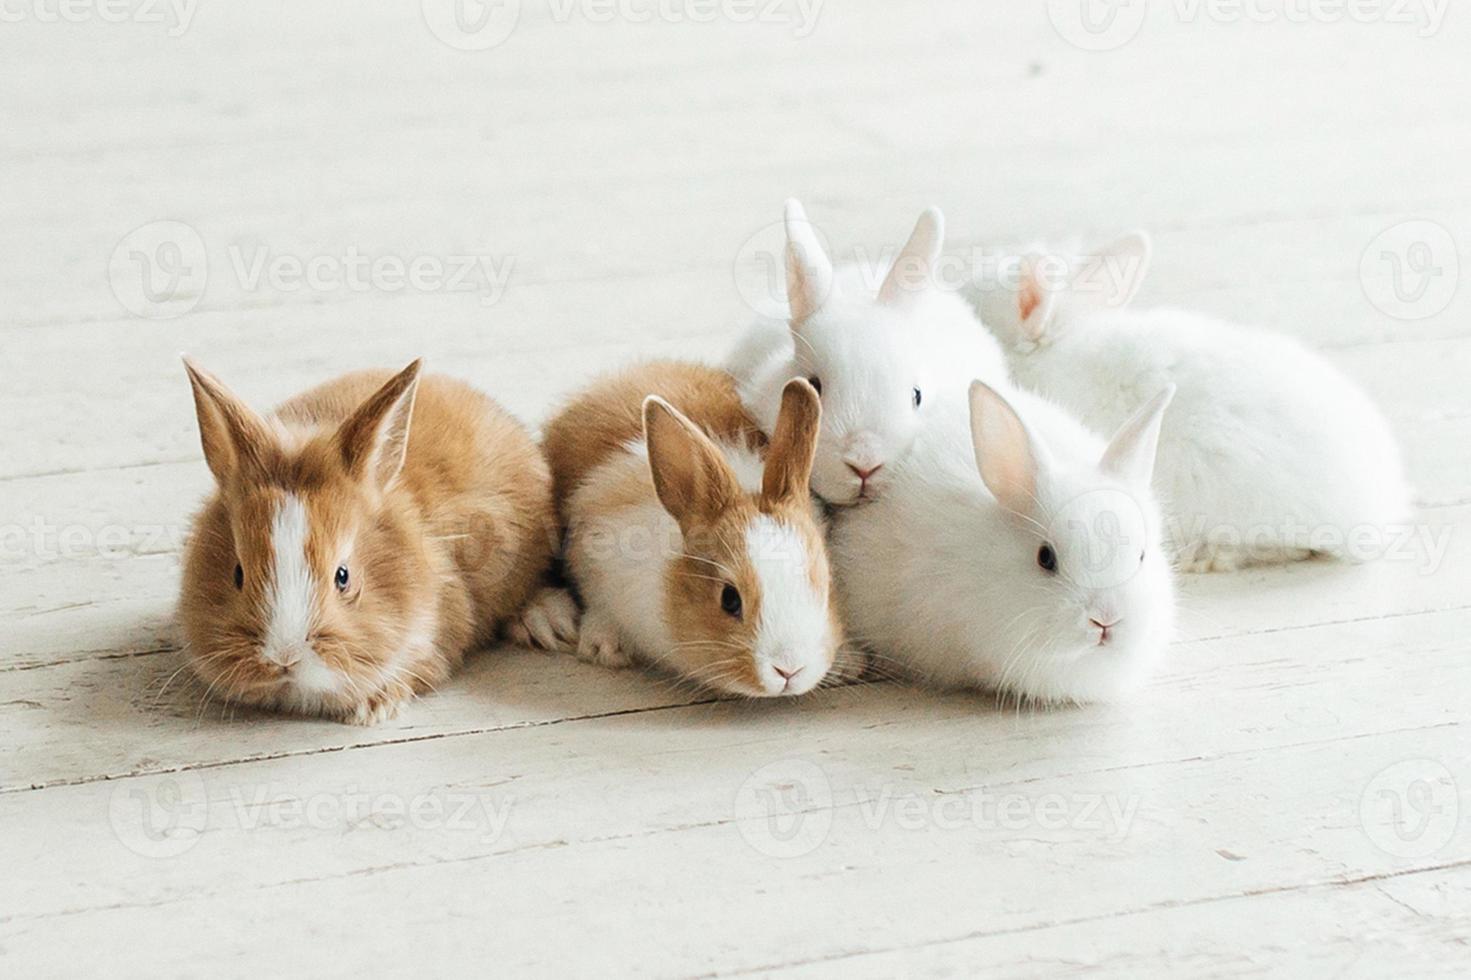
1130	455
915	264
1036	299
793	444
809	270
375	439
694	482
233	434
1009	459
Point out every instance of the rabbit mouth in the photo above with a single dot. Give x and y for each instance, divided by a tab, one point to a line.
310	680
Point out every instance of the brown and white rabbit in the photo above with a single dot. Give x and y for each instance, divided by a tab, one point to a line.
693	550
359	542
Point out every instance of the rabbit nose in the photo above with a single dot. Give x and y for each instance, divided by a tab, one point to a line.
865	473
287	658
1104	627
787	675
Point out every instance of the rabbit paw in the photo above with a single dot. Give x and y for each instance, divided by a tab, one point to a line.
599	642
549	622
380	707
1203	559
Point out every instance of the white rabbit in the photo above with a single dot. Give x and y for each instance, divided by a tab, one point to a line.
878	358
1024	558
1270	454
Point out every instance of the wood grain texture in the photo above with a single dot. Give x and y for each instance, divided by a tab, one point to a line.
611	190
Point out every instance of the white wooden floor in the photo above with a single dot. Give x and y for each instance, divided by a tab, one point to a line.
1289	796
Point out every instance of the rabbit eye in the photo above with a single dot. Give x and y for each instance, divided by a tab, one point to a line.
918	397
1047	558
239	578
816	384
730	601
342	579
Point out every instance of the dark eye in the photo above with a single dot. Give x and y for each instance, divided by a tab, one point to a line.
816	383
239	578
730	601
918	397
1047	558
343	579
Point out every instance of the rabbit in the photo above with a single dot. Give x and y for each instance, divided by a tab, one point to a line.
876	358
690	552
359	541
1269	455
1024	559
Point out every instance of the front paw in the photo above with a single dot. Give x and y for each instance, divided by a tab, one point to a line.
600	643
549	622
380	707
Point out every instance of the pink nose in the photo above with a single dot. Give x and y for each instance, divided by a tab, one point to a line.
1105	627
286	659
865	474
787	674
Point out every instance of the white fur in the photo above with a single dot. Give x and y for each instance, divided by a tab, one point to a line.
292	592
794	631
938	579
291	605
869	354
1268	454
620	560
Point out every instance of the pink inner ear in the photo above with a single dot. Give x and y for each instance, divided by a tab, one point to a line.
1029	298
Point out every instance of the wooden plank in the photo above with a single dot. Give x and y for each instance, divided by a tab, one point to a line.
159	425
614	818
623	167
1413	923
